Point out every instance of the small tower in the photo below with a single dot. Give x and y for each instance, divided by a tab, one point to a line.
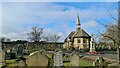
77	22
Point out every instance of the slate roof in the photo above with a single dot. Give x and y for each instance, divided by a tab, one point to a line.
79	33
70	35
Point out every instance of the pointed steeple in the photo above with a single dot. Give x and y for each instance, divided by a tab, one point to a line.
77	22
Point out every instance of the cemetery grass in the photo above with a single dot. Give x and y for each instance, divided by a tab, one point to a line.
1	65
66	63
84	62
49	56
10	63
25	56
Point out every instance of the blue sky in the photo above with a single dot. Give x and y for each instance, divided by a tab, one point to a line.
55	17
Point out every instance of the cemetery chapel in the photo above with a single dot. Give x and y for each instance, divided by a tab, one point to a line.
78	39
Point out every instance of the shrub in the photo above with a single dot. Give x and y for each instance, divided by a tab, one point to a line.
86	50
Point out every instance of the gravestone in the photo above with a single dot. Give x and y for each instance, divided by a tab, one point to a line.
20	50
100	62
7	54
0	46
43	51
74	60
58	58
12	55
2	57
26	52
37	59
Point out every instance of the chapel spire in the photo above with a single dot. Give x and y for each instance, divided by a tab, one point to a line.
77	22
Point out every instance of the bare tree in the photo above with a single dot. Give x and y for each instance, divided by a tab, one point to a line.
2	39
110	34
7	40
51	38
113	32
35	34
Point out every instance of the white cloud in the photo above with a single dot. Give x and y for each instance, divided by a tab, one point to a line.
16	36
0	19
90	24
20	17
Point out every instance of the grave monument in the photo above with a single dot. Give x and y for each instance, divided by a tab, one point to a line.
20	50
74	60
92	45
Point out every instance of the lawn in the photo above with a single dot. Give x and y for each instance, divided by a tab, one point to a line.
1	65
66	63
10	62
83	62
49	56
25	56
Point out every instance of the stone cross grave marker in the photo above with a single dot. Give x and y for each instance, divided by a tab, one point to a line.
74	60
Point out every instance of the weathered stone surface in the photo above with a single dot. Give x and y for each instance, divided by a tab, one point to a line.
92	45
100	62
58	59
2	57
74	60
37	59
20	50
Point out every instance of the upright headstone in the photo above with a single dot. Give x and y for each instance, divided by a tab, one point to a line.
20	50
58	58
0	54
118	55
7	54
74	60
12	55
0	46
26	50
43	51
37	59
100	62
2	57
